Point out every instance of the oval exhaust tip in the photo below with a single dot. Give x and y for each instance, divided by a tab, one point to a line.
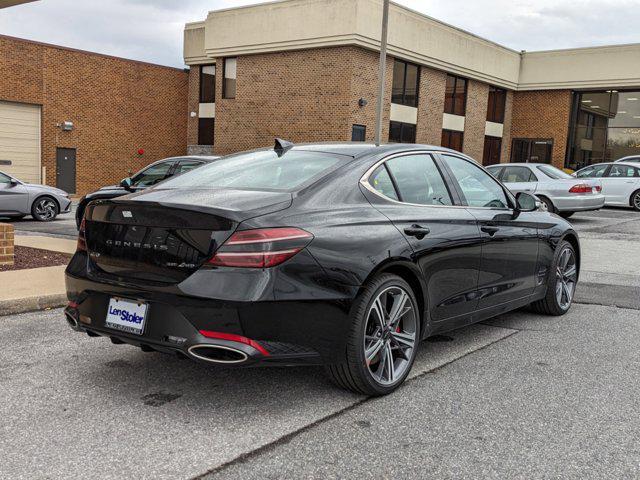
71	320
218	354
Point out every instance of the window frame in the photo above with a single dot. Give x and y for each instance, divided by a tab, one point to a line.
357	127
453	194
404	84
200	94
225	93
453	96
494	94
402	126
449	132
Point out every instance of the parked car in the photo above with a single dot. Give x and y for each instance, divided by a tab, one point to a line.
560	192
145	178
19	199
620	182
631	159
342	255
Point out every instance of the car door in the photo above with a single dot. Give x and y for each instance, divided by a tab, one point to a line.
508	270
14	197
444	238
619	183
519	179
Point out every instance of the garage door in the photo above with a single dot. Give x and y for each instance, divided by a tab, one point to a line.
20	141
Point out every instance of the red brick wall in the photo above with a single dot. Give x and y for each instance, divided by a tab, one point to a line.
543	114
475	119
117	106
6	244
431	106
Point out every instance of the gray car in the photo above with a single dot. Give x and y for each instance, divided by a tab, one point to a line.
559	191
19	199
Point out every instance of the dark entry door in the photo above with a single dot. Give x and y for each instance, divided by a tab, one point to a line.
527	150
66	169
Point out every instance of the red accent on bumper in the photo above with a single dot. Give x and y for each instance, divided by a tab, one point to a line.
235	338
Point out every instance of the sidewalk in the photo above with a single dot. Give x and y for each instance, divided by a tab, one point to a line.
36	288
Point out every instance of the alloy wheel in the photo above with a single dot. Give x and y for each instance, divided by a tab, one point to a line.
390	335
46	209
566	277
636	201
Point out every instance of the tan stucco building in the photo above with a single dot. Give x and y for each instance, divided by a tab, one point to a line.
306	70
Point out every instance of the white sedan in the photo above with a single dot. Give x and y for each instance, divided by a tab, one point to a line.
620	182
559	191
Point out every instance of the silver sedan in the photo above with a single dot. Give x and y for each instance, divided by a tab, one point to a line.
43	203
559	191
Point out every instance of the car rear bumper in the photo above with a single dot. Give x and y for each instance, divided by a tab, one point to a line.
262	330
579	203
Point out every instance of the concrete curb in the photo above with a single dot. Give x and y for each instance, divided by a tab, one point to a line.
31	304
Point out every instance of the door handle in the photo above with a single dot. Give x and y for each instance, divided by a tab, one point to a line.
417	231
490	230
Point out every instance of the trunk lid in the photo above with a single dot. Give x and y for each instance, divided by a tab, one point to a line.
163	236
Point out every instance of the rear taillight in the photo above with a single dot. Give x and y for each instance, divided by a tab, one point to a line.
82	239
580	188
261	248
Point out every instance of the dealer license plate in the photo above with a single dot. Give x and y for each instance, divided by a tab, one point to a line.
126	315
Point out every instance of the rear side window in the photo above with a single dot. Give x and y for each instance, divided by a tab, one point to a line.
478	187
381	181
618	171
595	171
419	180
185	166
262	170
495	171
518	175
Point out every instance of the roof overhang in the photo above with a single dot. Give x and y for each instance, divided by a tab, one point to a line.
302	24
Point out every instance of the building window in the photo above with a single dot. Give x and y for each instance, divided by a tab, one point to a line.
207	84
492	150
497	102
455	100
452	139
358	133
229	75
402	132
406	77
605	126
206	128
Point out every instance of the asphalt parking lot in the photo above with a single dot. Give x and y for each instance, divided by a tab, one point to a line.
520	396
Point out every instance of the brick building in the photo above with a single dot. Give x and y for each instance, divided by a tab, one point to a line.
306	70
78	120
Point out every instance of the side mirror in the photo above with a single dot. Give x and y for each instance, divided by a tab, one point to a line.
527	202
13	182
126	183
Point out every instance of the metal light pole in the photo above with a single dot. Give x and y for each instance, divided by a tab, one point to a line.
383	70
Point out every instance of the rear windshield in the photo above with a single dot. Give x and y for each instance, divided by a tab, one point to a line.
262	170
553	172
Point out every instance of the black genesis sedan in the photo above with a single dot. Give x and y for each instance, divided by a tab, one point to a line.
145	178
342	255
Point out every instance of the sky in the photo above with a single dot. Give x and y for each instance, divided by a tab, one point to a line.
151	30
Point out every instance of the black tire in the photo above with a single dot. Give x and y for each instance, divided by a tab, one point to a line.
549	205
635	200
355	374
550	304
566	214
45	209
